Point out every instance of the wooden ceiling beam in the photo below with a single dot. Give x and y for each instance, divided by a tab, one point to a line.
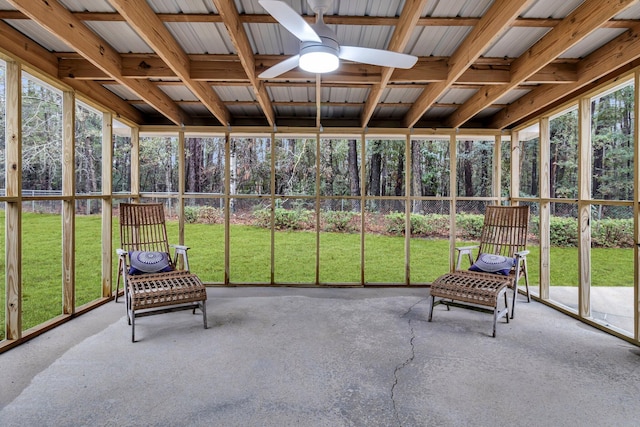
400	38
492	25
587	17
148	26
23	49
235	28
58	20
150	66
622	50
329	19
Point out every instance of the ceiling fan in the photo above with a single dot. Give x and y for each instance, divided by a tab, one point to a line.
319	48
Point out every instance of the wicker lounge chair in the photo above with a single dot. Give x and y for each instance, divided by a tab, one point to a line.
499	263
153	284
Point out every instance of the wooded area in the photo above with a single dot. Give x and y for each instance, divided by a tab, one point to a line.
338	160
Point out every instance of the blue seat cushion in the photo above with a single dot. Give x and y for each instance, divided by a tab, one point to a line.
141	262
490	263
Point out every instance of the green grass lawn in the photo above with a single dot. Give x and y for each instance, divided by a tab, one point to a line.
250	260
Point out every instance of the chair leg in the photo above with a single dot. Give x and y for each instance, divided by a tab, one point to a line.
118	280
506	304
203	307
431	307
133	326
495	320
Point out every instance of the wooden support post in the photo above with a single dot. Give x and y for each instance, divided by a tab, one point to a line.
13	216
453	178
107	205
407	210
135	163
181	188
584	207
69	203
636	210
545	207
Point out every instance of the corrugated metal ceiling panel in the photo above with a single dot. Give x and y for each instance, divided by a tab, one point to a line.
394	95
41	36
235	93
178	92
514	42
345	94
120	36
512	96
551	9
122	91
438	113
339	111
87	5
456	96
182	6
246	110
453	8
202	37
436	41
632	12
592	42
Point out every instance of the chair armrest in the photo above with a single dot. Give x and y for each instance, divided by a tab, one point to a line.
465	250
121	252
521	254
181	250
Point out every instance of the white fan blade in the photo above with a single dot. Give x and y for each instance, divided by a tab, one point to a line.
384	58
290	20
280	68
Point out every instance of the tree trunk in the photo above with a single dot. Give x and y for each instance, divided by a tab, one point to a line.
374	176
468	169
416	176
354	173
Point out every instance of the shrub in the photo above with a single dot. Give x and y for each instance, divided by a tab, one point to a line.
612	233
284	219
395	223
341	221
210	215
190	214
469	226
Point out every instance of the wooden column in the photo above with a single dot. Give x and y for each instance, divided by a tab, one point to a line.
636	211
135	163
13	218
407	210
363	202
318	205
227	203
453	178
545	207
69	203
107	204
584	207
181	187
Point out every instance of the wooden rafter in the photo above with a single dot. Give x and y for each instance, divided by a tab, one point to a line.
622	50
25	50
148	26
401	35
491	26
58	20
587	17
238	35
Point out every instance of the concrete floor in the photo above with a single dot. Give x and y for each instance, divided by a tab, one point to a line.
322	357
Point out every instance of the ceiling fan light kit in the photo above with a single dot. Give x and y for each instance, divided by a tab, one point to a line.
320	51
